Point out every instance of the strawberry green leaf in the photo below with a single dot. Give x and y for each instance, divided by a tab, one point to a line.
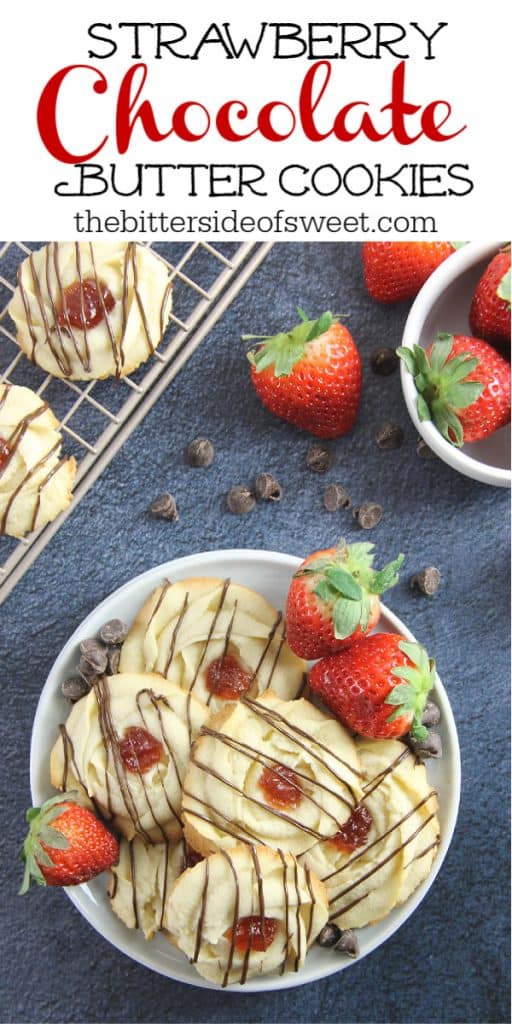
409	697
346	617
325	592
462	395
407	356
387	577
344	583
423	409
458	245
320	326
51	837
365	612
504	287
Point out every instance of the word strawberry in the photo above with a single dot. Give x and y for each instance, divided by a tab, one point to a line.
394	271
489	316
66	844
333	598
463	386
311	376
378	687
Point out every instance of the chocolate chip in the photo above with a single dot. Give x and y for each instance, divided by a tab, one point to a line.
384	361
74	688
200	453
336	497
114	657
164	507
368	515
427	580
329	935
431	714
240	500
114	631
389	436
423	450
429	747
348	943
267	488
318	458
94	658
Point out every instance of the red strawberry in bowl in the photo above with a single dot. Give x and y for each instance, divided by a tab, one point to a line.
463	385
66	844
333	598
310	376
378	687
394	271
489	316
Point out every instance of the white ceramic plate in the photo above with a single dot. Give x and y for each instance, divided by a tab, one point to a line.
443	305
270	574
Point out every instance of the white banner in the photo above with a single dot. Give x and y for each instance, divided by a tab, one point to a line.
210	120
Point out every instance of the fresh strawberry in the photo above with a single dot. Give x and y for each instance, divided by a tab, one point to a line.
311	376
333	598
378	687
489	316
396	270
463	386
66	844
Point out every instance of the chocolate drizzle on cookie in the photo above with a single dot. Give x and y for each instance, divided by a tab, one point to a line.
312	788
370	788
58	331
13	443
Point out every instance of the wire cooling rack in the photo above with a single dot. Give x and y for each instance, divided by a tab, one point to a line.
97	417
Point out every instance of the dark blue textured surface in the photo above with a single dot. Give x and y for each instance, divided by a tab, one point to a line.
450	962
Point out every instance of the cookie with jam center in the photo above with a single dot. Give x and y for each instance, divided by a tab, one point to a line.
244	912
125	747
88	310
35	482
371	869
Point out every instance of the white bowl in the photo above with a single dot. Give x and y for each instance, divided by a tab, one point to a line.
270	574
443	305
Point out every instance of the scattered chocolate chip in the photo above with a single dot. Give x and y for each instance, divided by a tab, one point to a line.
94	658
368	515
429	747
389	436
427	580
114	631
384	361
200	453
336	497
431	714
164	507
348	943
74	688
267	488
329	935
318	458
114	657
423	450
240	500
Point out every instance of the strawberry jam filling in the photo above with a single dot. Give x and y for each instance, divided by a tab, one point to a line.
82	304
354	833
5	451
256	933
227	678
140	750
280	786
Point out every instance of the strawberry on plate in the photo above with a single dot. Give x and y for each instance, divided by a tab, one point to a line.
333	598
489	316
66	844
394	271
310	376
378	687
463	385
